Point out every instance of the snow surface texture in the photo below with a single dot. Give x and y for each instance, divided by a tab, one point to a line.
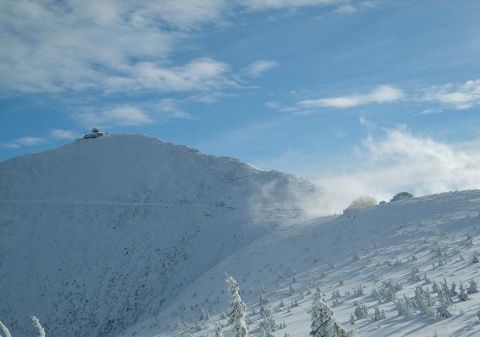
103	233
355	260
130	258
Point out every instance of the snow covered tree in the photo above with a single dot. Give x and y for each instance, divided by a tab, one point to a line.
5	330
472	288
36	323
218	330
442	310
263	301
405	307
463	294
379	314
236	316
267	325
324	323
424	302
361	311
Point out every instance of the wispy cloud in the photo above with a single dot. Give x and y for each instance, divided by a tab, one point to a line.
22	142
58	46
402	161
382	94
121	115
198	75
346	9
459	96
259	67
63	134
62	45
258	5
170	108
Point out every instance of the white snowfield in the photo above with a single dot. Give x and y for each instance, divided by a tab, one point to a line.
130	236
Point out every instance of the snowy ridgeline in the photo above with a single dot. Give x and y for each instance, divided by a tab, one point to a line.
100	234
137	244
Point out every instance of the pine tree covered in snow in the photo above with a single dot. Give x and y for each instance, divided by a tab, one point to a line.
472	288
379	314
218	330
424	302
442	310
236	316
324	323
463	294
5	330
405	307
267	325
36	323
361	311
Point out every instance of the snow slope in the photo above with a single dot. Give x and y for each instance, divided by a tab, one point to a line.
100	234
130	236
411	243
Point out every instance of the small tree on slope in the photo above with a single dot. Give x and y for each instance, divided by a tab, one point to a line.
36	323
5	330
236	316
324	323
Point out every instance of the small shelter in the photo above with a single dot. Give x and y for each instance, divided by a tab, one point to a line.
401	196
94	134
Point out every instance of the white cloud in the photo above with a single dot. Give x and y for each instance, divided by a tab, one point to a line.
121	115
459	96
30	141
346	9
114	45
382	94
402	161
169	108
76	45
258	5
63	134
9	145
198	75
259	67
21	142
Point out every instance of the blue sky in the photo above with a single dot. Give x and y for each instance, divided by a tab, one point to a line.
365	96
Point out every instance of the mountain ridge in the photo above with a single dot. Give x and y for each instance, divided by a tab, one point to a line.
100	232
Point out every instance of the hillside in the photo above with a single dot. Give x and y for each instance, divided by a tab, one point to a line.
100	234
353	259
131	236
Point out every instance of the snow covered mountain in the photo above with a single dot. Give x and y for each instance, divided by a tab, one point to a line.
102	233
130	236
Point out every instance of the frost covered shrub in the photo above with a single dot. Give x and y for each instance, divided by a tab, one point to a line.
361	311
472	288
7	333
423	302
387	291
379	314
463	294
442	310
405	307
236	316
324	323
36	323
358	291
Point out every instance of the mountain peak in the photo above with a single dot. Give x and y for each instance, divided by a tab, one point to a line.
112	228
